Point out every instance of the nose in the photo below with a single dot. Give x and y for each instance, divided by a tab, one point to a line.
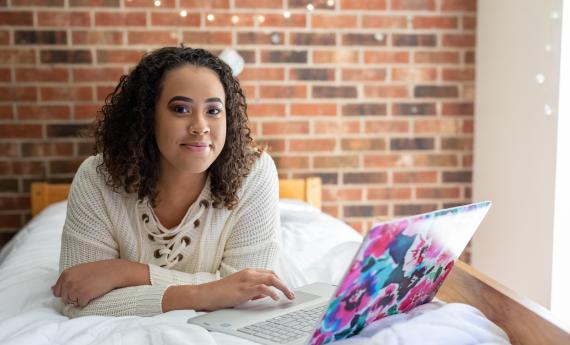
198	126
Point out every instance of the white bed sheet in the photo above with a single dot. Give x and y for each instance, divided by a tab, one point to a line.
316	247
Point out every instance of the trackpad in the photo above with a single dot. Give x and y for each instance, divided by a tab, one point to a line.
269	304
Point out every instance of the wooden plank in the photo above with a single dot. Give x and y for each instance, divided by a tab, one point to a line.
45	194
526	322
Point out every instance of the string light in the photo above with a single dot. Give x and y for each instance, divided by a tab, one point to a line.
330	3
157	3
287	14
540	78
210	17
260	18
235	19
183	13
548	110
310	7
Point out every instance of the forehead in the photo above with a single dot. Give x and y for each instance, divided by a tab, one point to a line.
195	82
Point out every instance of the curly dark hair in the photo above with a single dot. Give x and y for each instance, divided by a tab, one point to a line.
124	131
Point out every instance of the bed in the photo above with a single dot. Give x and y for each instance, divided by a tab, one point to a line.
470	308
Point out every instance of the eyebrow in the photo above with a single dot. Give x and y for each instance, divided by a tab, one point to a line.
190	100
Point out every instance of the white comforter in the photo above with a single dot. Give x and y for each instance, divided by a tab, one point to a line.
317	247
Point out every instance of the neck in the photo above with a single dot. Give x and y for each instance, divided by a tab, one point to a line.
175	186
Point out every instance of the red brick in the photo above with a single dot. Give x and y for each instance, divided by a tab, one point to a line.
337	21
458	40
413	5
469	23
71	93
15	94
97	74
468	126
289	127
23	168
86	111
20	131
364	74
4	37
14	203
296	91
436	160
456	74
209	37
10	221
390	193
204	4
16	18
267	38
386	91
265	109
97	37
386	57
64	19
276	145
313	109
6	112
49	74
415	177
337	127
115	19
414	74
310	145
458	109
438	193
153	38
150	4
5	75
433	22
467	161
342	194
382	160
95	3
459	5
38	3
388	22
364	5
337	57
119	56
15	57
291	162
256	73
312	74
250	19
457	144
362	144
334	92
103	91
43	112
439	126
337	161
386	126
436	57
258	4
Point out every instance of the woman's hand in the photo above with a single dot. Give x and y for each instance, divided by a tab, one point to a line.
80	284
240	287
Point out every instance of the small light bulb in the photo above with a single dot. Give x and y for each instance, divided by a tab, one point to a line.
260	18
554	15
540	78
310	7
157	3
210	17
287	14
275	39
235	19
548	110
378	37
183	13
330	3
548	47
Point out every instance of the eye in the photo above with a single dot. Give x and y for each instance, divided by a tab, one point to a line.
180	109
214	111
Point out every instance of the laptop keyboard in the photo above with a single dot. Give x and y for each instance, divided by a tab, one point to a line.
288	327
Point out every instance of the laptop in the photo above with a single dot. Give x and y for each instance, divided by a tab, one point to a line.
400	265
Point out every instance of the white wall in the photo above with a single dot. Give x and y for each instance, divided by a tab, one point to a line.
515	141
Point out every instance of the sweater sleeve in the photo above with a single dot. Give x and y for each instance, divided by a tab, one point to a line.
88	237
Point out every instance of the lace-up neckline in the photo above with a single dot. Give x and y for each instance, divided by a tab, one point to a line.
174	241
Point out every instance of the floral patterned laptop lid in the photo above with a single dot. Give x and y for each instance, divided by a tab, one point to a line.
400	265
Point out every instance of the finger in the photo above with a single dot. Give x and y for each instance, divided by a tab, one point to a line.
274	281
56	289
262	289
258	297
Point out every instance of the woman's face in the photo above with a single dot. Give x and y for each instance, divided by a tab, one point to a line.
190	119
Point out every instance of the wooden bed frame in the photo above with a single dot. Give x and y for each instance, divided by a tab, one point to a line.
526	322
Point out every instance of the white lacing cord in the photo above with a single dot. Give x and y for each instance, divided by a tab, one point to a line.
175	245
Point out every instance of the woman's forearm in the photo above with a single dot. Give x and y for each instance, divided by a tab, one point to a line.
178	297
133	273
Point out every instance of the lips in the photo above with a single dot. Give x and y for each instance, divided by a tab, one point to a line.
197	146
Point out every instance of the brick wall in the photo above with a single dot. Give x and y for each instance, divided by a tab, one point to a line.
374	96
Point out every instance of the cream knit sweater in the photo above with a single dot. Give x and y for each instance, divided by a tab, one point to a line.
209	244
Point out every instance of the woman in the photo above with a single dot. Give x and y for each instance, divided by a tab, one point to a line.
178	209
